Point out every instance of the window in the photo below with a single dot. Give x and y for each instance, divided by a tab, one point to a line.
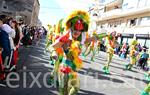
128	23
148	43
145	21
133	22
125	40
124	6
148	3
141	41
142	3
102	1
101	26
128	4
110	25
116	7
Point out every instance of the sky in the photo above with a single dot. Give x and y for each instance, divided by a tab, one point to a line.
51	11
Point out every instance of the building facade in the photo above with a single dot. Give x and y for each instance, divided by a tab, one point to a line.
131	18
26	10
35	13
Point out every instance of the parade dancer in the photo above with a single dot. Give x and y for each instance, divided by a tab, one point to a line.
91	49
56	60
98	46
147	77
110	39
49	40
147	88
16	40
50	35
132	55
76	24
86	46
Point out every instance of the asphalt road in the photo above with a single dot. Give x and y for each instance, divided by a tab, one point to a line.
33	72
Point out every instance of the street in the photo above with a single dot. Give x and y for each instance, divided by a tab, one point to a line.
34	69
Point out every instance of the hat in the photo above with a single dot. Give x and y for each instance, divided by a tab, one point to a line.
78	20
134	42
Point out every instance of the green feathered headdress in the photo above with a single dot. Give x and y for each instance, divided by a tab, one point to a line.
134	42
76	15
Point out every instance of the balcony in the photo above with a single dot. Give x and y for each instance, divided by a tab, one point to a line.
110	14
137	30
123	13
135	11
114	3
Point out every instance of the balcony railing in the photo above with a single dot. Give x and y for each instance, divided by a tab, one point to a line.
122	13
110	14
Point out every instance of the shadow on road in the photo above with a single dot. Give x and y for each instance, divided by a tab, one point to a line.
102	59
84	92
99	75
130	77
86	61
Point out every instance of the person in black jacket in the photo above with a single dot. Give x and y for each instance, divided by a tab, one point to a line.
4	43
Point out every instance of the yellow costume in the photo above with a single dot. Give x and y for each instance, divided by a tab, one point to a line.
110	40
76	24
132	55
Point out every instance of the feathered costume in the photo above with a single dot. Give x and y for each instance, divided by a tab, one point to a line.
147	88
110	44
132	55
147	77
89	50
69	48
49	36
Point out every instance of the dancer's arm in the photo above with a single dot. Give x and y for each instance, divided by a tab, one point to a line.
56	44
95	37
90	39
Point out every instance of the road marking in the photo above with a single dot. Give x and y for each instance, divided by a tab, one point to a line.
127	82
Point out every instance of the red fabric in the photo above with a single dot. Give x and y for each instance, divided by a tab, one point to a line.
79	25
57	36
1	64
2	75
64	38
0	59
65	70
15	57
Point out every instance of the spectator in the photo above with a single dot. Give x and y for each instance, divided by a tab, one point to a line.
11	32
4	42
143	59
14	25
26	40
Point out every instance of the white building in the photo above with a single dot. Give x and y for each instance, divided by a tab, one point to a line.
128	17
